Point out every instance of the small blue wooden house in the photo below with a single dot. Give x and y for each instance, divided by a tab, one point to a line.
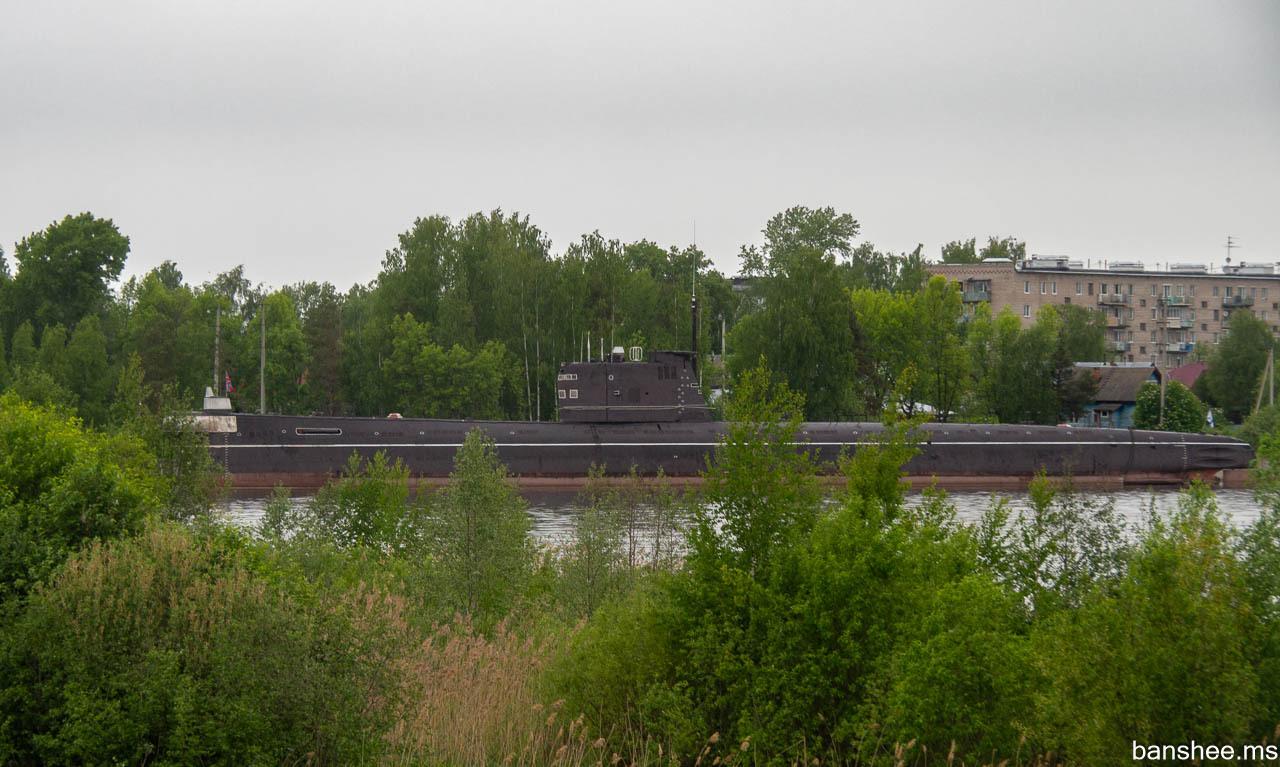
1117	397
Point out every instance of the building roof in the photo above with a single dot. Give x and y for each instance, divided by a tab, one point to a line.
1188	373
1120	384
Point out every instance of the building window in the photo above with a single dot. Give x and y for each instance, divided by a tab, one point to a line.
1090	288
1215	315
1253	292
1180	290
1264	292
1204	326
1215	290
1153	312
1142	302
1228	291
1204	304
1130	335
1053	286
1131	288
1102	288
1142	326
1066	299
1026	310
1142	350
1078	286
1215	338
1026	286
1153	335
1264	315
1043	287
1153	289
1193	290
1118	291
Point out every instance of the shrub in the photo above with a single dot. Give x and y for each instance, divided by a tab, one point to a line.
1161	656
61	486
169	648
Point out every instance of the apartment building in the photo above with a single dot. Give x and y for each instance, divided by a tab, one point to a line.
1152	316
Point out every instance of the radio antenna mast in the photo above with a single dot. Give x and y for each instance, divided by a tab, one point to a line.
1231	243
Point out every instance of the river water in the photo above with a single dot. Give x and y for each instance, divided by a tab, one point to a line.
553	514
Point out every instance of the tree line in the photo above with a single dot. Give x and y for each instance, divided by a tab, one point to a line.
471	318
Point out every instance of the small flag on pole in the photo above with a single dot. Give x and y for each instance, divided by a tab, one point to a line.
230	388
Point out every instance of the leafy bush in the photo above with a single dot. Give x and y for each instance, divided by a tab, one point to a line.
170	649
1183	410
61	486
1162	656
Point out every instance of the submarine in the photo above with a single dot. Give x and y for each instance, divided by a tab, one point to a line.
630	409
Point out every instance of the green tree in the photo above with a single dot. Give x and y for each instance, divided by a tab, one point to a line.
53	354
1004	247
1183	411
888	339
944	365
177	453
1166	646
961	252
966	251
802	319
870	268
61	487
1017	367
175	648
23	352
321	308
760	491
367	509
171	330
88	371
1235	368
64	271
482	533
1082	333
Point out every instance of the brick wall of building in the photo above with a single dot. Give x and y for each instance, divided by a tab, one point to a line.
1151	316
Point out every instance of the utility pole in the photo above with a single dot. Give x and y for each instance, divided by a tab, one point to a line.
262	362
217	338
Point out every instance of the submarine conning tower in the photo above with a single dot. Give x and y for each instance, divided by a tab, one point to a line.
628	389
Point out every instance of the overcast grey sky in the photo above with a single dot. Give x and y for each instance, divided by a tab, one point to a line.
300	138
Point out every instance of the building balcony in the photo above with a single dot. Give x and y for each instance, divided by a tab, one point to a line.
1175	300
976	296
1121	346
1117	322
1236	302
1113	299
1179	347
1179	322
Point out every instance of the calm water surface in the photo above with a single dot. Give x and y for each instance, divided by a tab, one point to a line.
553	514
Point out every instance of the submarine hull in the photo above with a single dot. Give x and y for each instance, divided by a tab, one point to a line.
258	451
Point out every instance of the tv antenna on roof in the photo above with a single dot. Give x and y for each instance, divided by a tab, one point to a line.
1231	243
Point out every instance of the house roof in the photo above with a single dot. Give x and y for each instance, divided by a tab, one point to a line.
1188	373
1120	384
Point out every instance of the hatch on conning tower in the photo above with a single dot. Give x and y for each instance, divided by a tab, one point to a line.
662	388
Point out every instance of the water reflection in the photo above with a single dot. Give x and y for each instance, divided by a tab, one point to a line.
554	513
